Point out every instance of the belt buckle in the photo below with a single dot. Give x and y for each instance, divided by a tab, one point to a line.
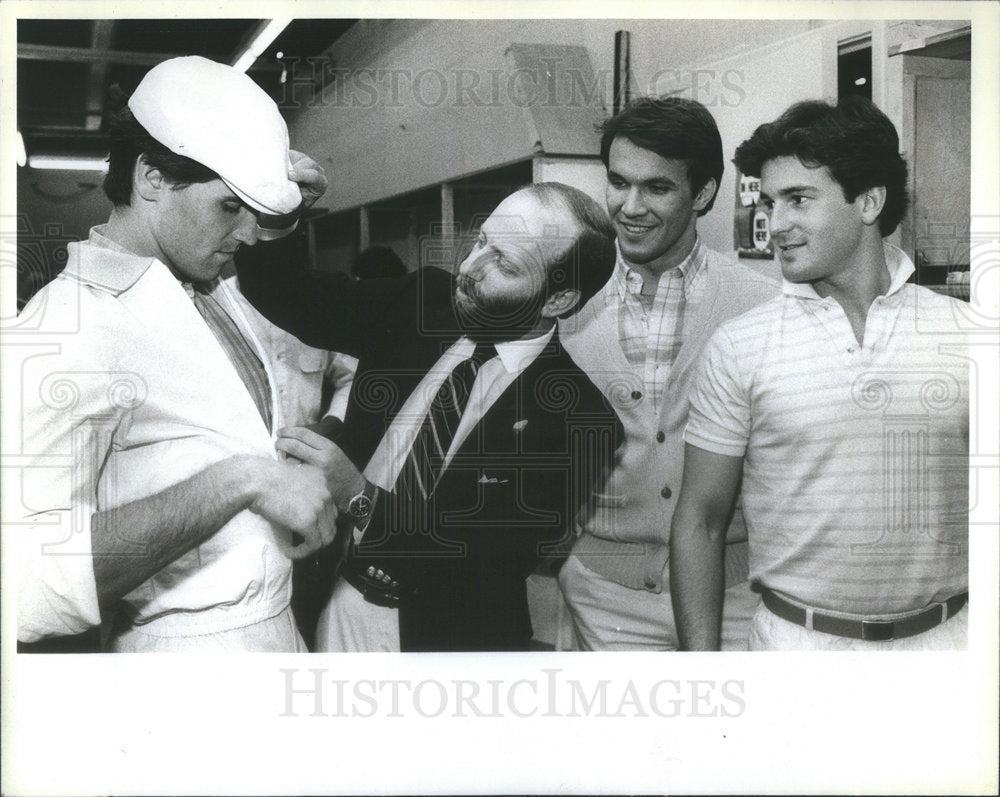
877	630
380	597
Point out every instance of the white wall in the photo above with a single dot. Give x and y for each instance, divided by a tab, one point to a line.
416	102
748	89
589	176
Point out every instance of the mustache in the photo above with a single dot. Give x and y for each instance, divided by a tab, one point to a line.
503	318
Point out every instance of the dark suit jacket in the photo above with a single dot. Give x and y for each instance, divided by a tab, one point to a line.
509	496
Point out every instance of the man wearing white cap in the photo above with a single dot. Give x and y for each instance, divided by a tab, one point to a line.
154	504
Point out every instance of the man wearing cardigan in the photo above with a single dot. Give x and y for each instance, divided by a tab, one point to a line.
640	339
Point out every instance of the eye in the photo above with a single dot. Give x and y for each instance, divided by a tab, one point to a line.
231	207
767	203
505	266
616	182
798	200
658	188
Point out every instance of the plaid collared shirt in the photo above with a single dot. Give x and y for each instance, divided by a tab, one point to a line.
651	339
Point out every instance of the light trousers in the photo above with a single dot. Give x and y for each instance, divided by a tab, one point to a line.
608	616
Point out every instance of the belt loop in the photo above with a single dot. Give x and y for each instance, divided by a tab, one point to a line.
809	619
944	611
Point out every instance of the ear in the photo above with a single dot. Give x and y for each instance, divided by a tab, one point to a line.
147	181
872	201
560	303
705	195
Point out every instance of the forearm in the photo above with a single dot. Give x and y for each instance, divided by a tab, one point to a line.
133	542
697	581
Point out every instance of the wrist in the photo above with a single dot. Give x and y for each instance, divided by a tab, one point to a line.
347	489
360	504
246	477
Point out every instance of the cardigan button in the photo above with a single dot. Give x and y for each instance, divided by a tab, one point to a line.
636	395
666	492
660	436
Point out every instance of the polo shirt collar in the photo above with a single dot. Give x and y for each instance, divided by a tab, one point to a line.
900	268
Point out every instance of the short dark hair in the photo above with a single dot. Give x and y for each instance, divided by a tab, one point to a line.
675	128
129	141
590	260
853	139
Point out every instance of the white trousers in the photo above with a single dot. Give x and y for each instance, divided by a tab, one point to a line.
350	624
608	616
276	634
770	632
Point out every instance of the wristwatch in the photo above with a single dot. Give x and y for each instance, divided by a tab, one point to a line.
359	507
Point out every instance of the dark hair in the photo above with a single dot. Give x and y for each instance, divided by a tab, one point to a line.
129	141
590	260
377	261
675	128
853	139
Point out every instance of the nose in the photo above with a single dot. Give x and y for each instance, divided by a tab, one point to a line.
633	204
778	220
246	229
474	261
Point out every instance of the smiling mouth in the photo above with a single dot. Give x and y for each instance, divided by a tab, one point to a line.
789	247
635	229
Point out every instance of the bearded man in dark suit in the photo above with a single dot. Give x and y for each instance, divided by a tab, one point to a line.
455	513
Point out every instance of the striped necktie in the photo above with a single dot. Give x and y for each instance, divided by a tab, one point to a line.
237	348
425	461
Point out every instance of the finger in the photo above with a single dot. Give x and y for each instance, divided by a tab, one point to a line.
301	163
305	436
299	450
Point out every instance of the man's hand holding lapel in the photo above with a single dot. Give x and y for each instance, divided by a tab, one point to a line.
343	479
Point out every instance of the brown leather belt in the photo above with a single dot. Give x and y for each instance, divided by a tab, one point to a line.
868	630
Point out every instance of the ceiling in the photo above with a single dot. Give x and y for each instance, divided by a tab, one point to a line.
65	68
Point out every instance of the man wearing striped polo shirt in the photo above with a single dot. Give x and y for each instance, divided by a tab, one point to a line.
843	404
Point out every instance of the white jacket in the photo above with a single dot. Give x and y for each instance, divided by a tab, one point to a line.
125	392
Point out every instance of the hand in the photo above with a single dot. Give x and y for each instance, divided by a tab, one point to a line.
343	479
328	427
309	175
295	497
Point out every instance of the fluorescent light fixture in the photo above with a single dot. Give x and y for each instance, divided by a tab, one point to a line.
67	163
860	81
267	32
22	156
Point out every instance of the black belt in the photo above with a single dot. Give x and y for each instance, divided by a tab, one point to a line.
869	630
364	578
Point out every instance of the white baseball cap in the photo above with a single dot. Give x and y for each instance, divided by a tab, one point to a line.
218	116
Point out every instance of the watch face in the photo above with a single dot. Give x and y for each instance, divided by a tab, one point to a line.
360	506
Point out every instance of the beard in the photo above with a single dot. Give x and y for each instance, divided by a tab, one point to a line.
497	318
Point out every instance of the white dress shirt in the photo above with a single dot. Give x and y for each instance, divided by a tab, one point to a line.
492	379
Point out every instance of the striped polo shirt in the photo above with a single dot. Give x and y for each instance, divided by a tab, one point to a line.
855	474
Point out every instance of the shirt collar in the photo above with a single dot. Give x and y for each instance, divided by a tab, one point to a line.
99	239
900	268
516	355
689	268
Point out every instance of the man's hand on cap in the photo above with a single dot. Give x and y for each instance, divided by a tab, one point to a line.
309	175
